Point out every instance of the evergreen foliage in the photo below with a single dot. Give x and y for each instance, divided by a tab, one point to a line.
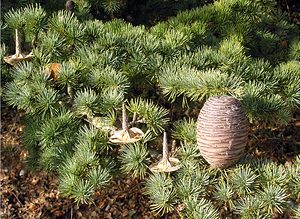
233	47
224	193
164	200
242	180
135	160
185	130
200	208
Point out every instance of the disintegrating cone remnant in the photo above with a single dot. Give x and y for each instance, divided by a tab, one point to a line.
125	135
166	164
19	56
15	59
222	131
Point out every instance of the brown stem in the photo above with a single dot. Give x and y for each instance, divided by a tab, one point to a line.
18	47
165	147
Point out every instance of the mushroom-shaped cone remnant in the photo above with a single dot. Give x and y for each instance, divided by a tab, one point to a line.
125	135
19	56
166	164
15	59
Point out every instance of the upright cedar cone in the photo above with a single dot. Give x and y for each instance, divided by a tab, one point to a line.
222	131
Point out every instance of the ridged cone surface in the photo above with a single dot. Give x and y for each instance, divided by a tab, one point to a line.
222	131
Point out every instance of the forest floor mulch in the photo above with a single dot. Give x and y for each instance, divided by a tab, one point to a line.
27	194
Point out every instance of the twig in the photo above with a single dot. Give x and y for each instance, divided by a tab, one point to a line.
288	8
71	214
17	198
134	118
137	121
